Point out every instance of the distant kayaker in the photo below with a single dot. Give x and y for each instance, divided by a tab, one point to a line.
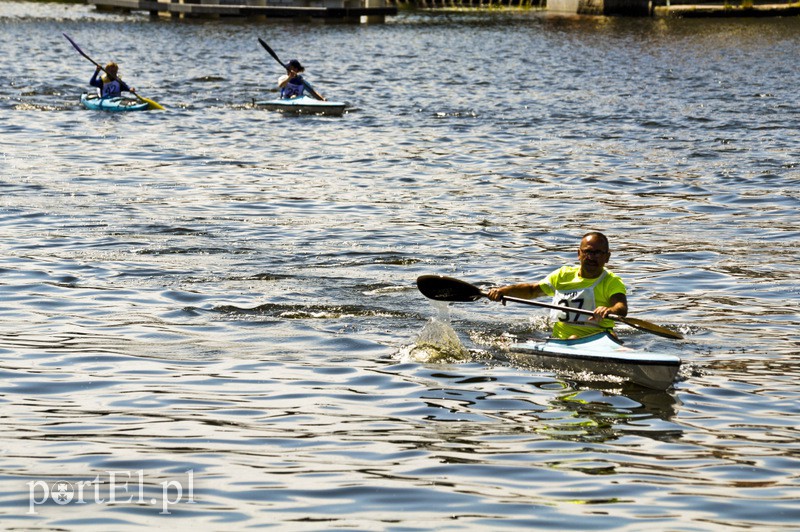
292	84
109	84
588	286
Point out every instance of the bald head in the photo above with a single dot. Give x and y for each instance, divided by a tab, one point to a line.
597	238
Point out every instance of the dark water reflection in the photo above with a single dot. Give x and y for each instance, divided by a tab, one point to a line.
229	292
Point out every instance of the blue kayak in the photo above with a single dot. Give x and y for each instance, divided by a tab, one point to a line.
95	103
303	105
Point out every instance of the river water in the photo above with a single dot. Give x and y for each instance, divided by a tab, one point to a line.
209	317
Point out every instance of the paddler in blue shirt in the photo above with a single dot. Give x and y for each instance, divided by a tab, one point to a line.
109	84
292	83
589	286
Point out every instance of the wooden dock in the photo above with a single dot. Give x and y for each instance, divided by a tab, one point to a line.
745	9
328	10
376	11
673	8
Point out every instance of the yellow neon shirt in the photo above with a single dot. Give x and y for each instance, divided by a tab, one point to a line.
568	288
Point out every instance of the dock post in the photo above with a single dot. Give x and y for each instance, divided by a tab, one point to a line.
374	19
259	3
211	2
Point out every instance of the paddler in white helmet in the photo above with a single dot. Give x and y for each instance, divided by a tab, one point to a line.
292	84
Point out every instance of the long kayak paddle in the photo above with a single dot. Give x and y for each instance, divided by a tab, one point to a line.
307	85
151	103
443	288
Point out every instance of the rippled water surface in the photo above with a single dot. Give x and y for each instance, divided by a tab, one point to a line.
209	315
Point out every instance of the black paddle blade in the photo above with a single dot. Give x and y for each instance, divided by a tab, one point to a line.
272	53
78	48
442	288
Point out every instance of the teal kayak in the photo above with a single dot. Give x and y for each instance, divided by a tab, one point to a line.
303	105
603	354
95	103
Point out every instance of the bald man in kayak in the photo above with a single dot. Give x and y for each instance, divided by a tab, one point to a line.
588	286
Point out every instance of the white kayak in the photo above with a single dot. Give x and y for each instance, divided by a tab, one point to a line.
603	354
303	104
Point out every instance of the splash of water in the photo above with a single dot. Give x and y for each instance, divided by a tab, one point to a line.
437	342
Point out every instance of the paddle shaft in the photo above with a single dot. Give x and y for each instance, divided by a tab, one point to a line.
98	65
642	325
307	85
443	288
556	307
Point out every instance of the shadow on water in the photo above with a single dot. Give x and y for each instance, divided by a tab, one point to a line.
609	412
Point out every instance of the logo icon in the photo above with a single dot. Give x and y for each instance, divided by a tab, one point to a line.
62	492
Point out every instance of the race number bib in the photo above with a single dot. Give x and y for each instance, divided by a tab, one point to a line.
581	299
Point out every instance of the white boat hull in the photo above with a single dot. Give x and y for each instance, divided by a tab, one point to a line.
602	354
304	105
